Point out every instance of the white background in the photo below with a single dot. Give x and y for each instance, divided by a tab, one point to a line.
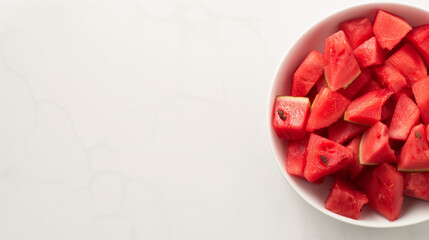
146	119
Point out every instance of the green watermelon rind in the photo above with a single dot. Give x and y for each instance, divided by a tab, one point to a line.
414	170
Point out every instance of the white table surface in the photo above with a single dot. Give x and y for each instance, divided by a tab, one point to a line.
145	119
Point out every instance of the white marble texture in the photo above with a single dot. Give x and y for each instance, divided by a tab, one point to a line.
145	119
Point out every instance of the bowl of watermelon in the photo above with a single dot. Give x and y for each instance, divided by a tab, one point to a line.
348	115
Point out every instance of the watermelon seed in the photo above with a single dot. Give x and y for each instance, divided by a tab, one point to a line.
324	159
281	114
418	134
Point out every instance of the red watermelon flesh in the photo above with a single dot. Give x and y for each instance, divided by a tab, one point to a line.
416	185
409	63
405	117
420	91
366	109
387	110
290	117
321	83
344	199
406	90
384	187
352	170
390	77
341	67
307	74
357	31
341	131
361	80
389	29
414	155
374	146
370	86
325	157
296	155
369	53
327	108
419	37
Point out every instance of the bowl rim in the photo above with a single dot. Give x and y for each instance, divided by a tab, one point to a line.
272	134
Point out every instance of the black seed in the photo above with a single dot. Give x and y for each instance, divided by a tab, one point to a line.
324	159
281	114
418	134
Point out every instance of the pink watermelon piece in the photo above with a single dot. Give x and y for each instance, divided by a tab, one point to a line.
414	155
390	77
357	31
384	187
374	146
326	109
341	131
352	170
405	117
344	199
389	29
352	90
290	117
325	157
420	91
307	74
419	37
409	63
366	109
369	53
296	154
416	185
341	67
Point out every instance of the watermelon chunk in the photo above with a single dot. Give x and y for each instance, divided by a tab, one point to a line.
416	185
419	37
327	108
325	157
357	31
307	74
290	116
389	29
374	146
352	170
341	131
414	155
409	63
344	199
405	117
369	53
361	80
366	109
420	91
384	187
296	154
341	67
390	77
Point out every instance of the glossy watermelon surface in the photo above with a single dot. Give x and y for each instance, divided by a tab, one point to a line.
414	155
307	74
416	185
389	29
374	147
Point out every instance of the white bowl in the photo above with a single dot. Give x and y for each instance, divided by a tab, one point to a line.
413	211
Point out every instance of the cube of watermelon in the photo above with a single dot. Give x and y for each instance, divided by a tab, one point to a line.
366	110
384	187
369	53
414	155
341	67
357	31
326	109
374	146
409	63
416	185
389	29
420	91
307	74
296	154
290	116
390	77
341	131
419	37
325	157
344	199
405	117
